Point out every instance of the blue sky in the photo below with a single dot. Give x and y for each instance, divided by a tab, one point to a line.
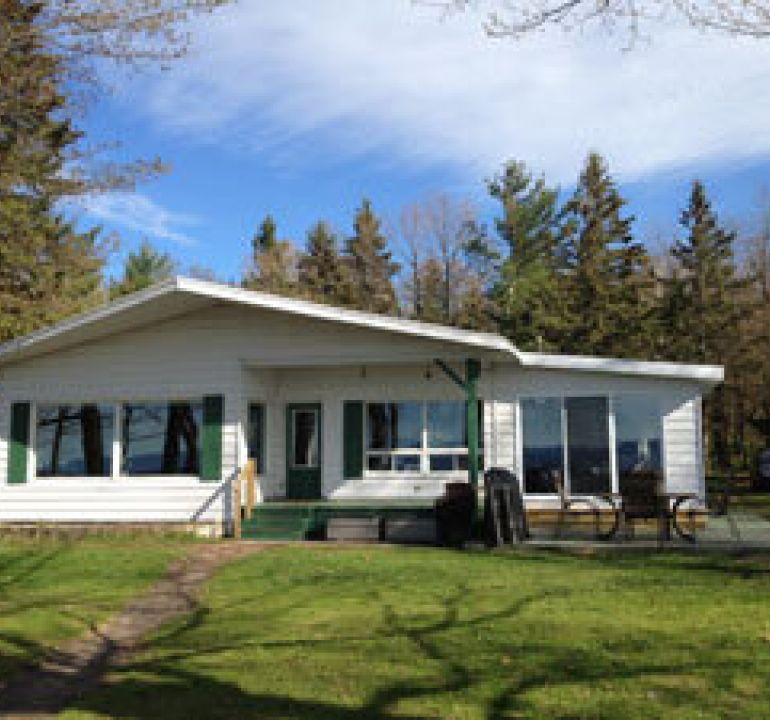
301	109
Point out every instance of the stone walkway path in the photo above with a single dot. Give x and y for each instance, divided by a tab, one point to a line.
77	667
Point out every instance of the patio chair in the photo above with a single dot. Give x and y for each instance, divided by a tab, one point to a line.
583	505
505	517
641	500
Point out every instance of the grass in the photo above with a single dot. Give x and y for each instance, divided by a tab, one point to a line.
53	590
302	633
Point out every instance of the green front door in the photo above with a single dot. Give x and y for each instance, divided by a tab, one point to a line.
303	452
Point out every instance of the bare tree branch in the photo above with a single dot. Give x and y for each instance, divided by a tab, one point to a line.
517	18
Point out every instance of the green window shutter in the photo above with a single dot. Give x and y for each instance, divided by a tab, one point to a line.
18	455
211	447
353	440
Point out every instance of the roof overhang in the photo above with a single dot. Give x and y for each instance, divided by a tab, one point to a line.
181	295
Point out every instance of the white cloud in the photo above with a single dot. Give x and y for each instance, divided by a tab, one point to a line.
344	77
133	211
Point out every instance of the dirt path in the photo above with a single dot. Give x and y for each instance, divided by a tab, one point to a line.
77	667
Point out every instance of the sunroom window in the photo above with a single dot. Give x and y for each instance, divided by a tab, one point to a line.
74	440
414	437
543	444
162	439
394	433
638	435
448	436
567	441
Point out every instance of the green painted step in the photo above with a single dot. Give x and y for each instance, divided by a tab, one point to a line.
299	520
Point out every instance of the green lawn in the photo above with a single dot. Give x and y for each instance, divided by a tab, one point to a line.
53	590
298	633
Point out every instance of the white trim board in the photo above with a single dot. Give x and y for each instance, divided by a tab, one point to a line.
156	303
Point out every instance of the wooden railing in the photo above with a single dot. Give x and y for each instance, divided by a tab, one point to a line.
244	486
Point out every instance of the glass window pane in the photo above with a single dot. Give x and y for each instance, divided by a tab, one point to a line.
543	446
406	463
74	440
447	425
162	439
407	425
393	426
305	445
378	435
638	435
379	462
256	436
588	445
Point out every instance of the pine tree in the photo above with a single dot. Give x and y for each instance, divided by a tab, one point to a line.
704	286
143	269
320	268
266	237
48	270
273	262
526	293
704	308
606	277
370	268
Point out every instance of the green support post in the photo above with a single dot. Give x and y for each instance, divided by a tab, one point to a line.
472	372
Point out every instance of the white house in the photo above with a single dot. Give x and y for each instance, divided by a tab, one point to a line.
142	410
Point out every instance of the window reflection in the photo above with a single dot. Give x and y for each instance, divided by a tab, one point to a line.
162	439
74	440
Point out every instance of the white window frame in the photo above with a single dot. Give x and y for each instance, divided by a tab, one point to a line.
611	398
424	452
115	449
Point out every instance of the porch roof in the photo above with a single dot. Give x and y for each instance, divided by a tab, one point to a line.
180	295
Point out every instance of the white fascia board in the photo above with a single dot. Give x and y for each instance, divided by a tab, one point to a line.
304	308
87	318
711	374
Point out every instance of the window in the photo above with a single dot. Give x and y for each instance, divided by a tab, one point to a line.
255	436
447	424
588	445
394	432
418	437
638	433
542	444
570	438
74	440
162	439
304	453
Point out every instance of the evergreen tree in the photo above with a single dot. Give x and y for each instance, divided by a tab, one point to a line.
143	269
370	268
320	268
704	309
273	262
606	278
701	312
48	270
266	237
526	293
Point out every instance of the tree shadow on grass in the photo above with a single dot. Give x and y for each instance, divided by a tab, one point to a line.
165	682
165	686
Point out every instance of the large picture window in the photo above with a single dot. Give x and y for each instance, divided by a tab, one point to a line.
74	440
162	439
588	445
638	435
543	444
416	437
568	440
